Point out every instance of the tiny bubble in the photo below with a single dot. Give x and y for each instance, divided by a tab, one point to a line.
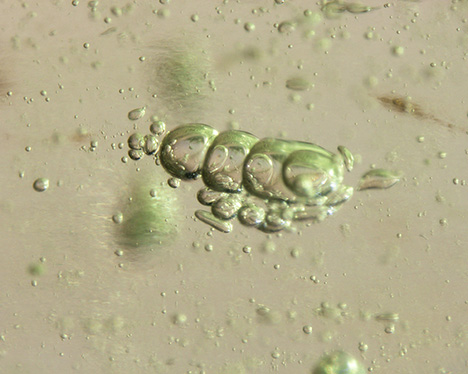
247	249
117	218
173	182
307	329
249	26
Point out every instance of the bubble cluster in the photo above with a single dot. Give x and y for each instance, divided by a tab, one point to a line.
141	145
267	184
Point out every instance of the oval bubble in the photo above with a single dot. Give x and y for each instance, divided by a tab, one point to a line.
136	154
151	144
183	150
223	167
136	141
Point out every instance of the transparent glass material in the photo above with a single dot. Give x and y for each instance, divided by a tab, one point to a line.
107	267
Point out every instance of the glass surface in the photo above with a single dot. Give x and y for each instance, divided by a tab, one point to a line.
107	269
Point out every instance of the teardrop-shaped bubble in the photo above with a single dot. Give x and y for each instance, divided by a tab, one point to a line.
183	150
224	161
137	113
379	178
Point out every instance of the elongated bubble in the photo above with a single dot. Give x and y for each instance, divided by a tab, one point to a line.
348	157
291	171
379	178
216	223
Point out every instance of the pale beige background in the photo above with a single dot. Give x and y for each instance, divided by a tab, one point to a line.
95	312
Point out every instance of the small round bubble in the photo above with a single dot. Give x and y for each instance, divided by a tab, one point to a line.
135	154
226	207
274	221
249	26
307	329
158	128
251	215
173	182
41	184
117	218
136	141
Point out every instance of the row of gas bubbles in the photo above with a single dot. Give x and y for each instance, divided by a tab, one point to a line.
267	184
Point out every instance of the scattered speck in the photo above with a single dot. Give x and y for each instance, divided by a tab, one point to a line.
179	319
398	50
